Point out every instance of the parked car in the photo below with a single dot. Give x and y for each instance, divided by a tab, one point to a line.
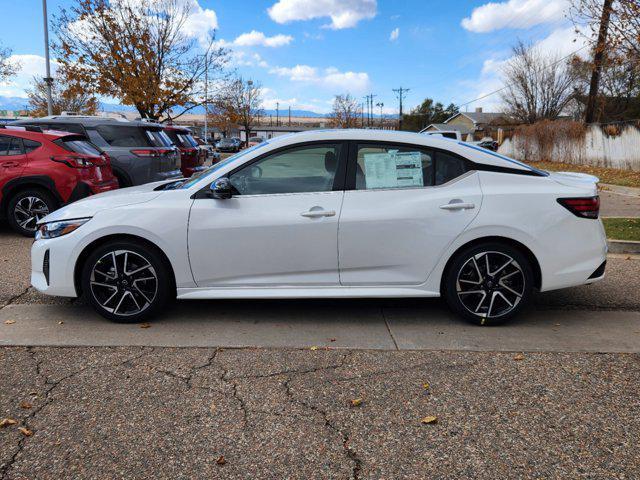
332	213
41	171
489	144
192	158
210	150
140	152
228	145
253	141
452	134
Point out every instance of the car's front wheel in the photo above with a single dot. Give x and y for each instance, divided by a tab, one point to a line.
489	283
126	282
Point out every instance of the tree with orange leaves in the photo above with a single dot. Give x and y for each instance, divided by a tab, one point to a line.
138	51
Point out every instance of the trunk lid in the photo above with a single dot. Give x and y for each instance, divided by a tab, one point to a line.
584	181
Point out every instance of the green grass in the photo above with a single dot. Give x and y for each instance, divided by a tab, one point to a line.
622	228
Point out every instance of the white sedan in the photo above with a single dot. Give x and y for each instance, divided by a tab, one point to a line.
342	213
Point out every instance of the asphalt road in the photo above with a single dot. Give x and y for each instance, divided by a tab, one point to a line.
163	413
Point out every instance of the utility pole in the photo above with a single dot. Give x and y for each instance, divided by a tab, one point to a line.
400	93
289	115
277	114
206	96
48	80
598	56
380	104
361	115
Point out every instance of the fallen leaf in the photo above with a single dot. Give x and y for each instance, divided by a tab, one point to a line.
212	408
519	357
5	422
25	431
221	460
60	322
145	325
426	386
332	339
429	419
557	324
314	348
25	405
356	402
9	322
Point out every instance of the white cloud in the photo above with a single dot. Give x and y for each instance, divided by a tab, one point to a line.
200	23
31	66
271	100
395	33
255	38
330	77
515	14
343	13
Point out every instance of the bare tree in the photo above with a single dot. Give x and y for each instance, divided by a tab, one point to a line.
136	51
7	68
538	86
239	102
345	112
63	98
624	22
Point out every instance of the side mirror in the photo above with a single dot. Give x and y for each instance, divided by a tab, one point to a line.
221	189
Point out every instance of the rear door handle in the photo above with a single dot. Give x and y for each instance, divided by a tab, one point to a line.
10	164
458	206
318	213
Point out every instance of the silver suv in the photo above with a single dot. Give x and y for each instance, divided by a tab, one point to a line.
140	152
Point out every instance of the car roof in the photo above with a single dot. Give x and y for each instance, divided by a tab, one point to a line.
89	121
31	135
472	152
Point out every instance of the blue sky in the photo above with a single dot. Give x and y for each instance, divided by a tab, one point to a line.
305	51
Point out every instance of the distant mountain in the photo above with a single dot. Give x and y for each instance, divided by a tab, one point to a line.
13	103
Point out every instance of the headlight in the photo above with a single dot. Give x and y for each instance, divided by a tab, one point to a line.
58	229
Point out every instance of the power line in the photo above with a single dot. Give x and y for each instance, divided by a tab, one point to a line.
509	84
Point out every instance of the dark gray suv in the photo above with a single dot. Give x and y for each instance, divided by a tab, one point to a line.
140	152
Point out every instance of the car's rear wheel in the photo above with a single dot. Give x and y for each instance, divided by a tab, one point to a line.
489	283
126	282
27	207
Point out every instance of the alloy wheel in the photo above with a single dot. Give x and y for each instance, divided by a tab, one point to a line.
28	211
490	284
123	282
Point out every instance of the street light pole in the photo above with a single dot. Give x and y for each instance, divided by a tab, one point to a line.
206	96
48	80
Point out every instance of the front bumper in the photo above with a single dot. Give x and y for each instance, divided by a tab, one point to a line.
60	278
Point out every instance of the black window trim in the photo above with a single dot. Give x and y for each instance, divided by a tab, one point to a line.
338	181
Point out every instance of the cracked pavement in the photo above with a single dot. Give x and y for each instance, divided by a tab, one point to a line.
140	412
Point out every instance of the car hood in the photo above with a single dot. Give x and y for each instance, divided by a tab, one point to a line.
89	206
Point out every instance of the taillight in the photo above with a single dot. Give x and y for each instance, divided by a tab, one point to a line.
148	153
73	161
585	207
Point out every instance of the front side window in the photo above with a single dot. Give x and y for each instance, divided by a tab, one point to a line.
5	143
10	146
393	166
310	168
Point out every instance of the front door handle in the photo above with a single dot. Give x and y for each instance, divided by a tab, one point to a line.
318	213
458	206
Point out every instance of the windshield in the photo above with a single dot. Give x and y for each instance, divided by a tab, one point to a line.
196	177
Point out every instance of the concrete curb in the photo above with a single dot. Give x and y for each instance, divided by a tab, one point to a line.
623	246
620	190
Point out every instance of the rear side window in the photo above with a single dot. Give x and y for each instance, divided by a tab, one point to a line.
10	146
77	146
393	166
124	136
180	139
30	145
448	167
157	138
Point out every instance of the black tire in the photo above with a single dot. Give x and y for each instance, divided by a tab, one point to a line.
134	299
28	206
484	299
123	181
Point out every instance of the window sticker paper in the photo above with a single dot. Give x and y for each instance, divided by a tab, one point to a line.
393	170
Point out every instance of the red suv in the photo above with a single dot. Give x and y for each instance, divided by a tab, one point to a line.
191	156
43	170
